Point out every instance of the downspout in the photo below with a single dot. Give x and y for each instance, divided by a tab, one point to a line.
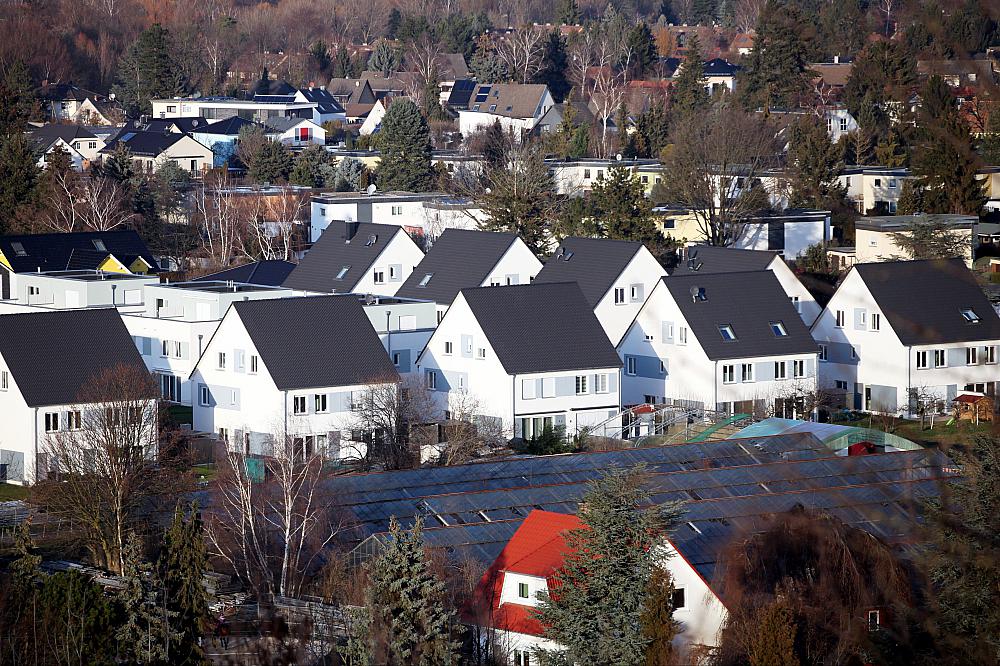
715	384
25	480
909	378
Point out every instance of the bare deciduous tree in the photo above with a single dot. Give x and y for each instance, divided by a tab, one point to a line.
521	52
104	452
221	221
746	13
717	168
85	203
387	417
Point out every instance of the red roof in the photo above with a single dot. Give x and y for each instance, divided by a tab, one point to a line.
536	549
969	398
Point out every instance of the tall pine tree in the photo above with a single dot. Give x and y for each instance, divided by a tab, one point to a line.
554	63
775	74
942	158
816	166
148	71
19	175
182	566
19	103
410	618
689	94
405	143
599	596
146	636
623	211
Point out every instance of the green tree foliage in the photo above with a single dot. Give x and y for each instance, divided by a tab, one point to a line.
496	146
19	103
600	592
579	145
776	71
816	165
351	175
989	147
657	620
549	442
486	64
568	12
271	164
688	94
320	54
971	29
554	64
621	207
314	167
930	237
883	73
457	32
521	197
410	619
963	557
119	166
405	142
640	42
148	71
385	58
890	151
77	618
182	566
19	175
24	567
145	635
942	157
651	133
342	66
771	641
911	199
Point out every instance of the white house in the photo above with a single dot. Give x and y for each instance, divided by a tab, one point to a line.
404	209
221	137
220	108
290	368
173	322
67	102
904	334
357	257
462	258
295	132
874	237
529	357
83	145
517	106
708	259
874	189
731	342
149	150
46	360
615	277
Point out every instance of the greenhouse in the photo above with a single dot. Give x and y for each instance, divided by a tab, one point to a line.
837	438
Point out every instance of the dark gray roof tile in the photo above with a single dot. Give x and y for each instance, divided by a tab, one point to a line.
337	248
593	263
703	259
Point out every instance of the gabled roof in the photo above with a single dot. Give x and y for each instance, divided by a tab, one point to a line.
325	103
720	67
459	259
748	303
230	126
593	263
704	259
923	301
452	66
353	245
67	133
512	100
52	355
181	124
541	328
146	144
316	341
536	549
60	92
281	124
269	273
58	252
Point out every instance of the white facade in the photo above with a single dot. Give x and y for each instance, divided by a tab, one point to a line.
665	362
619	307
470	122
304	133
236	398
220	108
461	367
389	271
874	188
861	355
403	209
804	302
839	123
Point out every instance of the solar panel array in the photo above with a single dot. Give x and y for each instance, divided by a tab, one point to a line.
728	487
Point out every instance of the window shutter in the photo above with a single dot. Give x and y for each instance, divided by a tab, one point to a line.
528	389
667	332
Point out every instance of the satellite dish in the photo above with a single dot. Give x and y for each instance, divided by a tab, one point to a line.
618	157
112	97
371	189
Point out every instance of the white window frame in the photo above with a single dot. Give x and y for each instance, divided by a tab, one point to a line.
300	406
320	403
378	276
630	366
940	354
682	335
780	370
432	380
746	372
342	273
798	368
824	353
74	420
972	355
727	332
481	353
729	374
778	329
222	361
51	421
990	355
876	321
204	396
619	295
601	383
4	380
253	364
449	348
841	318
921	360
582	385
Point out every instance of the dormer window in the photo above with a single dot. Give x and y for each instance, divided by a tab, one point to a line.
778	328
425	280
727	333
970	315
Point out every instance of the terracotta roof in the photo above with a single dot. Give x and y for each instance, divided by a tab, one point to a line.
971	399
536	549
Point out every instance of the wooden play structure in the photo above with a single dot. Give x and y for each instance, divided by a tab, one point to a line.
973	407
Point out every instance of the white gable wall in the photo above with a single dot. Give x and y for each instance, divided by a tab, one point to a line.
642	272
804	301
518	265
400	255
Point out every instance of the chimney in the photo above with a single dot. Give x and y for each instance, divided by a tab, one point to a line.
350	230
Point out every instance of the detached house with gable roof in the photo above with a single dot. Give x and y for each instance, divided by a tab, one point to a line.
149	150
46	359
290	367
464	258
109	251
615	277
357	257
530	357
708	259
730	342
517	106
902	335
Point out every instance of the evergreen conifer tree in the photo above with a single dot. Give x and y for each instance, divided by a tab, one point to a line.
24	567
657	620
569	12
776	74
385	58
342	66
313	167
486	65
496	143
19	176
405	142
689	94
579	146
554	63
146	635
19	103
622	208
643	47
182	566
272	163
408	603
989	148
772	638
816	166
599	596
942	158
148	71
